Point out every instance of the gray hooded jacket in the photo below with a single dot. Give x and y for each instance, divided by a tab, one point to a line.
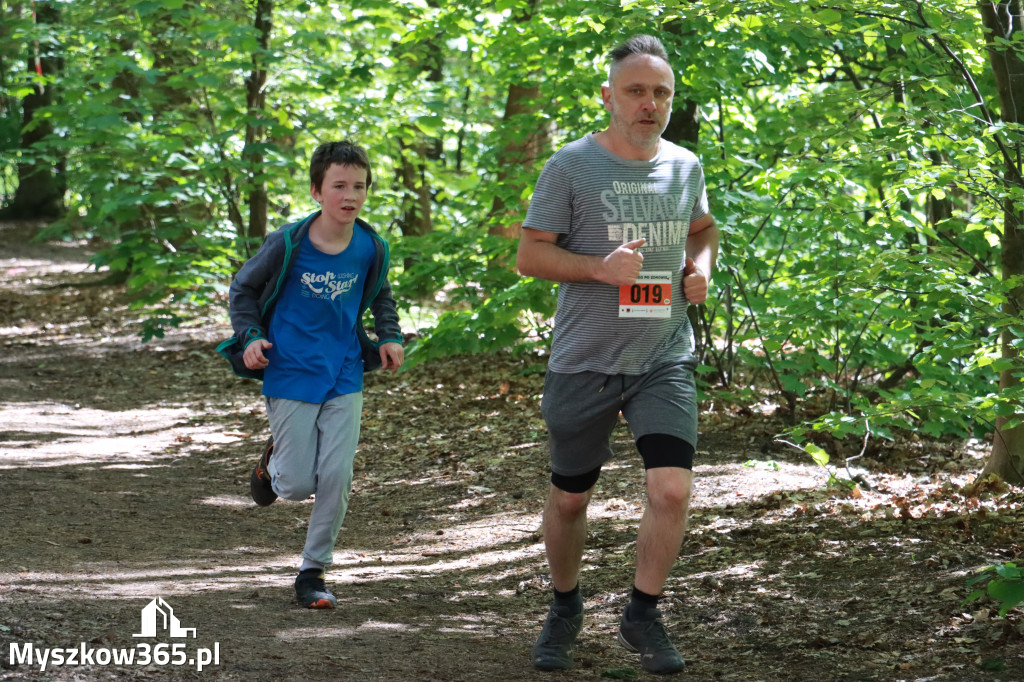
258	285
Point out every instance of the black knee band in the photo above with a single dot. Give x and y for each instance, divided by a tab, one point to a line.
663	450
580	483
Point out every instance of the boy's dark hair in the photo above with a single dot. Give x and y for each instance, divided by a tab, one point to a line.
344	153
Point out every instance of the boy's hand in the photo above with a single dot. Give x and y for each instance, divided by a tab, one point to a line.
695	283
253	355
392	355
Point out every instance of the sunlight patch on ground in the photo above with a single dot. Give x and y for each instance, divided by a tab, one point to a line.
487	547
719	524
414	565
226	501
614	508
66	332
32	267
167	579
41	346
347	633
18	331
302	634
377	625
736	479
483	533
99	450
63	419
743	570
475	629
478	496
977	449
473	620
48	434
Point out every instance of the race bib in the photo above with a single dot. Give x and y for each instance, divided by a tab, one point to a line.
649	296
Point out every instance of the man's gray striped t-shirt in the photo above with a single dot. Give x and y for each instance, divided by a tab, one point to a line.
596	201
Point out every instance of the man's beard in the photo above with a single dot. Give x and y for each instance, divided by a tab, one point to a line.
637	138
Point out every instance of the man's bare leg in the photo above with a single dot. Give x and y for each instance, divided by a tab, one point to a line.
565	533
663	526
658	541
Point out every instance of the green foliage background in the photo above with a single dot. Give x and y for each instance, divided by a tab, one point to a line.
850	163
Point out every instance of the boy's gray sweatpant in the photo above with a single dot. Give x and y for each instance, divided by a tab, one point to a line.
314	448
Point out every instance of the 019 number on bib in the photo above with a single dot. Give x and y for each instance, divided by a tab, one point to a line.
649	296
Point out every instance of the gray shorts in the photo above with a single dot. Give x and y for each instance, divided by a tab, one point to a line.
582	409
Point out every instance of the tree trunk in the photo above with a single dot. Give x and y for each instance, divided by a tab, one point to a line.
522	149
255	134
1002	21
416	209
11	51
10	48
684	129
684	126
427	58
41	183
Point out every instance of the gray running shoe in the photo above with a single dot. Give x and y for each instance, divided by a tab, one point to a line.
648	638
553	650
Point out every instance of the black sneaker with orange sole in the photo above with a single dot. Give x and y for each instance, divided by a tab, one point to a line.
259	483
311	591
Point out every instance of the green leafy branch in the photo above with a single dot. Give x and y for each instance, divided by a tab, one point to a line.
822	458
1005	584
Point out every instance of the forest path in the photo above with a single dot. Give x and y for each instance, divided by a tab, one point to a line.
124	478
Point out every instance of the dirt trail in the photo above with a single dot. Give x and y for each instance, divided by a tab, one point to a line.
124	478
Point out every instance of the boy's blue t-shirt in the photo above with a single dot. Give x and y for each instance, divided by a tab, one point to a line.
316	354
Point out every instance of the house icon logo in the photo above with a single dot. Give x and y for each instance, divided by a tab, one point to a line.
158	615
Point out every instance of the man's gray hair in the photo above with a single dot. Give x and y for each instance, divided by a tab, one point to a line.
638	44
